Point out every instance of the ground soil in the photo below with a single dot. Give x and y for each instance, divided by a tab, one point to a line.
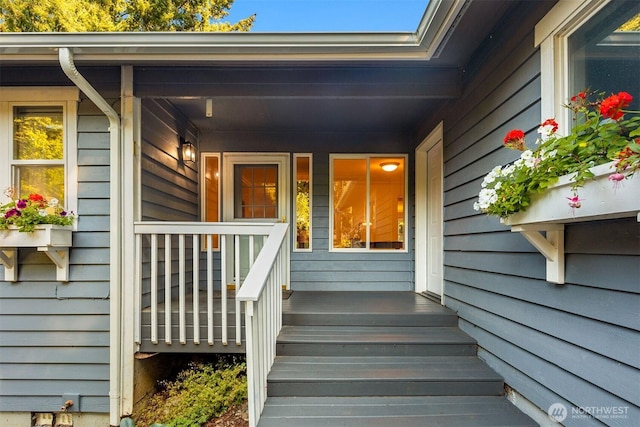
236	416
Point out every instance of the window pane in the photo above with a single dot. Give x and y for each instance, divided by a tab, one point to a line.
255	191
212	192
387	203
48	181
349	203
303	201
37	133
605	52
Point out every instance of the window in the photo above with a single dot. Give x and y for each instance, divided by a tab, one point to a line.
211	191
40	125
302	214
588	45
368	194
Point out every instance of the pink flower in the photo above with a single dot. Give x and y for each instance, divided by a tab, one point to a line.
616	178
574	202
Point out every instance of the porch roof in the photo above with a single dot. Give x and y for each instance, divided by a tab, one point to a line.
353	82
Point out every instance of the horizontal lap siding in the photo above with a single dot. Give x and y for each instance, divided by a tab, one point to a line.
576	344
54	336
321	269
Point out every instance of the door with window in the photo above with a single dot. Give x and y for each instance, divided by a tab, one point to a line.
255	188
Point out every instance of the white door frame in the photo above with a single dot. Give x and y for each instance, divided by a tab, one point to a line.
283	160
429	263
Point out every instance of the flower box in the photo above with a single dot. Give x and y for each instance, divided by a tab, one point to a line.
53	240
43	235
598	198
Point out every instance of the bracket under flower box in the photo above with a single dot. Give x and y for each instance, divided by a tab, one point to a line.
53	240
550	210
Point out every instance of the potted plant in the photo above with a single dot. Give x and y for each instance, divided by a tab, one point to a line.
34	222
549	183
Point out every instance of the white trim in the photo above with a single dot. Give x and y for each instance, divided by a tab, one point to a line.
551	34
131	132
294	189
422	197
65	97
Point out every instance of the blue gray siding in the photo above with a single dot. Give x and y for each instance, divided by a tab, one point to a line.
54	337
576	344
321	269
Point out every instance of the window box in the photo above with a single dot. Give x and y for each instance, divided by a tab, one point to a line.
599	200
550	210
53	240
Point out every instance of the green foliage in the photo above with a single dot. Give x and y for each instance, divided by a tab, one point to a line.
200	392
118	15
601	134
34	210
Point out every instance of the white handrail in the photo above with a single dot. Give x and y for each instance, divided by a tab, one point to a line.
261	294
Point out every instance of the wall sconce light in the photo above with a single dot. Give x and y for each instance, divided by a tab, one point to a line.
389	166
188	151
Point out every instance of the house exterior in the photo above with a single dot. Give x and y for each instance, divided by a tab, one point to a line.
322	111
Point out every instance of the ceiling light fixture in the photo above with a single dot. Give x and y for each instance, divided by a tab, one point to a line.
389	166
208	111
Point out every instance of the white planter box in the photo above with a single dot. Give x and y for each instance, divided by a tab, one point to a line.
43	235
598	197
53	240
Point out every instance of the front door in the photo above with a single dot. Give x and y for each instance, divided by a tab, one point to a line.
255	188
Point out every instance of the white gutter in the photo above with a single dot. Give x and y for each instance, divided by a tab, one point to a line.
65	57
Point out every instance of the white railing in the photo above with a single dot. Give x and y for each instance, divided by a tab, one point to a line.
261	294
172	257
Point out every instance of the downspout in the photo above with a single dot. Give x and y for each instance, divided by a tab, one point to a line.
65	57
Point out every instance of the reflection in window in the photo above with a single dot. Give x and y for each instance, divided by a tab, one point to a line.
38	153
256	191
369	202
302	170
605	52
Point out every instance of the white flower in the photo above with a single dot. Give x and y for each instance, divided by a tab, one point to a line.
54	202
486	197
42	212
528	159
491	176
546	132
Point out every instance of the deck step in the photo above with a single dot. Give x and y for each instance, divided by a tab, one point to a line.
382	376
374	341
432	411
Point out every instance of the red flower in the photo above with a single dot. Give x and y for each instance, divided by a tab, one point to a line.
552	123
612	106
581	95
514	139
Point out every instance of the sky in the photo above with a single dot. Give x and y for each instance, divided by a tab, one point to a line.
330	15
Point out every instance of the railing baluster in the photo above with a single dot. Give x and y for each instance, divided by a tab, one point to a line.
137	293
223	287
167	288
154	288
196	290
181	291
210	289
237	283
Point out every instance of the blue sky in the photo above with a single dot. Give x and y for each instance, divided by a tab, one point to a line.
330	15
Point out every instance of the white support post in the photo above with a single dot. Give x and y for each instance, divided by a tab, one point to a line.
60	257
551	246
8	258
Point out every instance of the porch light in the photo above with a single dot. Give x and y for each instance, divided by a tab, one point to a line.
389	166
208	111
188	151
